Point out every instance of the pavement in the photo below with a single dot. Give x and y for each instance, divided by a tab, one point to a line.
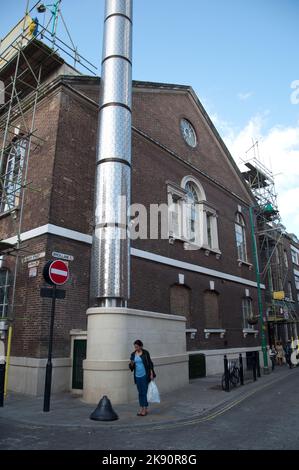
199	401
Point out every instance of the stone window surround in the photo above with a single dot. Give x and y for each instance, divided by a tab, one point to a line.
219	331
178	194
240	222
250	331
192	332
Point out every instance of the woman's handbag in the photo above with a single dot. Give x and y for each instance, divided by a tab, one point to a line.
153	395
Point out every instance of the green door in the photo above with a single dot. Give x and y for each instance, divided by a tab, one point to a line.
79	356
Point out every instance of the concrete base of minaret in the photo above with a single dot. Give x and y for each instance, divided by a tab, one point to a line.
110	337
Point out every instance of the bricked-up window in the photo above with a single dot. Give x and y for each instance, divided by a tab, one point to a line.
247	312
211	310
12	178
4	287
180	301
240	229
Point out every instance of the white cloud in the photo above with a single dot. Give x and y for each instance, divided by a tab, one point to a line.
245	96
278	149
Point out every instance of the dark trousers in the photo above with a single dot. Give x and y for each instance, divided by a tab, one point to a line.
288	359
273	362
142	386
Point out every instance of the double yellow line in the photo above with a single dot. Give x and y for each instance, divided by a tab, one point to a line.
217	413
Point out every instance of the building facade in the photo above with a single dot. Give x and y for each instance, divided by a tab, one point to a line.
201	267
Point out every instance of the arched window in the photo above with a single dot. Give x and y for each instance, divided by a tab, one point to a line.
192	214
180	301
211	310
191	218
11	191
4	286
240	230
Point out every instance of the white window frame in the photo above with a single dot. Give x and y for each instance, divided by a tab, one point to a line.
240	224
179	217
247	310
12	183
191	216
294	256
210	214
176	198
5	287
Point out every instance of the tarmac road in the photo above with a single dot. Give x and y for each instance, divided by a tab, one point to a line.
267	419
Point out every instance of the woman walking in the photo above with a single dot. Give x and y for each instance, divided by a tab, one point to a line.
273	354
141	364
280	353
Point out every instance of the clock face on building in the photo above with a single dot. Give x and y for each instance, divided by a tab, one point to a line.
188	133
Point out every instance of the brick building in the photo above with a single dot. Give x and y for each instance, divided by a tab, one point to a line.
204	273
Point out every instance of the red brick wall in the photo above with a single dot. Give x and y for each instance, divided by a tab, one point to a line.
62	168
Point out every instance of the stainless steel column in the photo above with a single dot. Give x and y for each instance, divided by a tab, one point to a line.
110	272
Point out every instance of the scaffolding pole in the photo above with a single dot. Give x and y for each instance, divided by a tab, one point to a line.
25	57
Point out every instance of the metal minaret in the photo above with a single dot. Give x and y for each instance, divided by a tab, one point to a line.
110	275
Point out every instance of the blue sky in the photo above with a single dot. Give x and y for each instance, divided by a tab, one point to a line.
239	56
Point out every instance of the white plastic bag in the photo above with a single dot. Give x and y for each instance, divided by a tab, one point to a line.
153	395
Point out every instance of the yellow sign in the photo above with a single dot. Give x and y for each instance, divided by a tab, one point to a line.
279	295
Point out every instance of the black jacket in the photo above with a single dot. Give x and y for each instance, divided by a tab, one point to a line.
147	362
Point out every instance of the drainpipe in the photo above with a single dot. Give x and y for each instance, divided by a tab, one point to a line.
110	265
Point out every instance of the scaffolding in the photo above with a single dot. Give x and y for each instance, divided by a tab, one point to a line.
271	235
29	55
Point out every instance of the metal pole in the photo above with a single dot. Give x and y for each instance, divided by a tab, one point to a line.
226	373
2	380
55	17
253	362
259	292
257	360
241	369
48	380
7	359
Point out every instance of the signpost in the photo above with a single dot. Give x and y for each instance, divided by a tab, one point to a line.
56	273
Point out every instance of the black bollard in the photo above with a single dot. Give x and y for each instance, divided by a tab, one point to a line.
2	380
104	411
226	373
241	369
258	368
253	360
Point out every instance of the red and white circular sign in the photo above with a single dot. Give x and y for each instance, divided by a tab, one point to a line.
59	272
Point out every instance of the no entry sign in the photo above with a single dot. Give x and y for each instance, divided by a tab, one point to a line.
56	272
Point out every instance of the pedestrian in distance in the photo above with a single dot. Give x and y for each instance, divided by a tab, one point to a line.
280	353
288	353
143	368
273	354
